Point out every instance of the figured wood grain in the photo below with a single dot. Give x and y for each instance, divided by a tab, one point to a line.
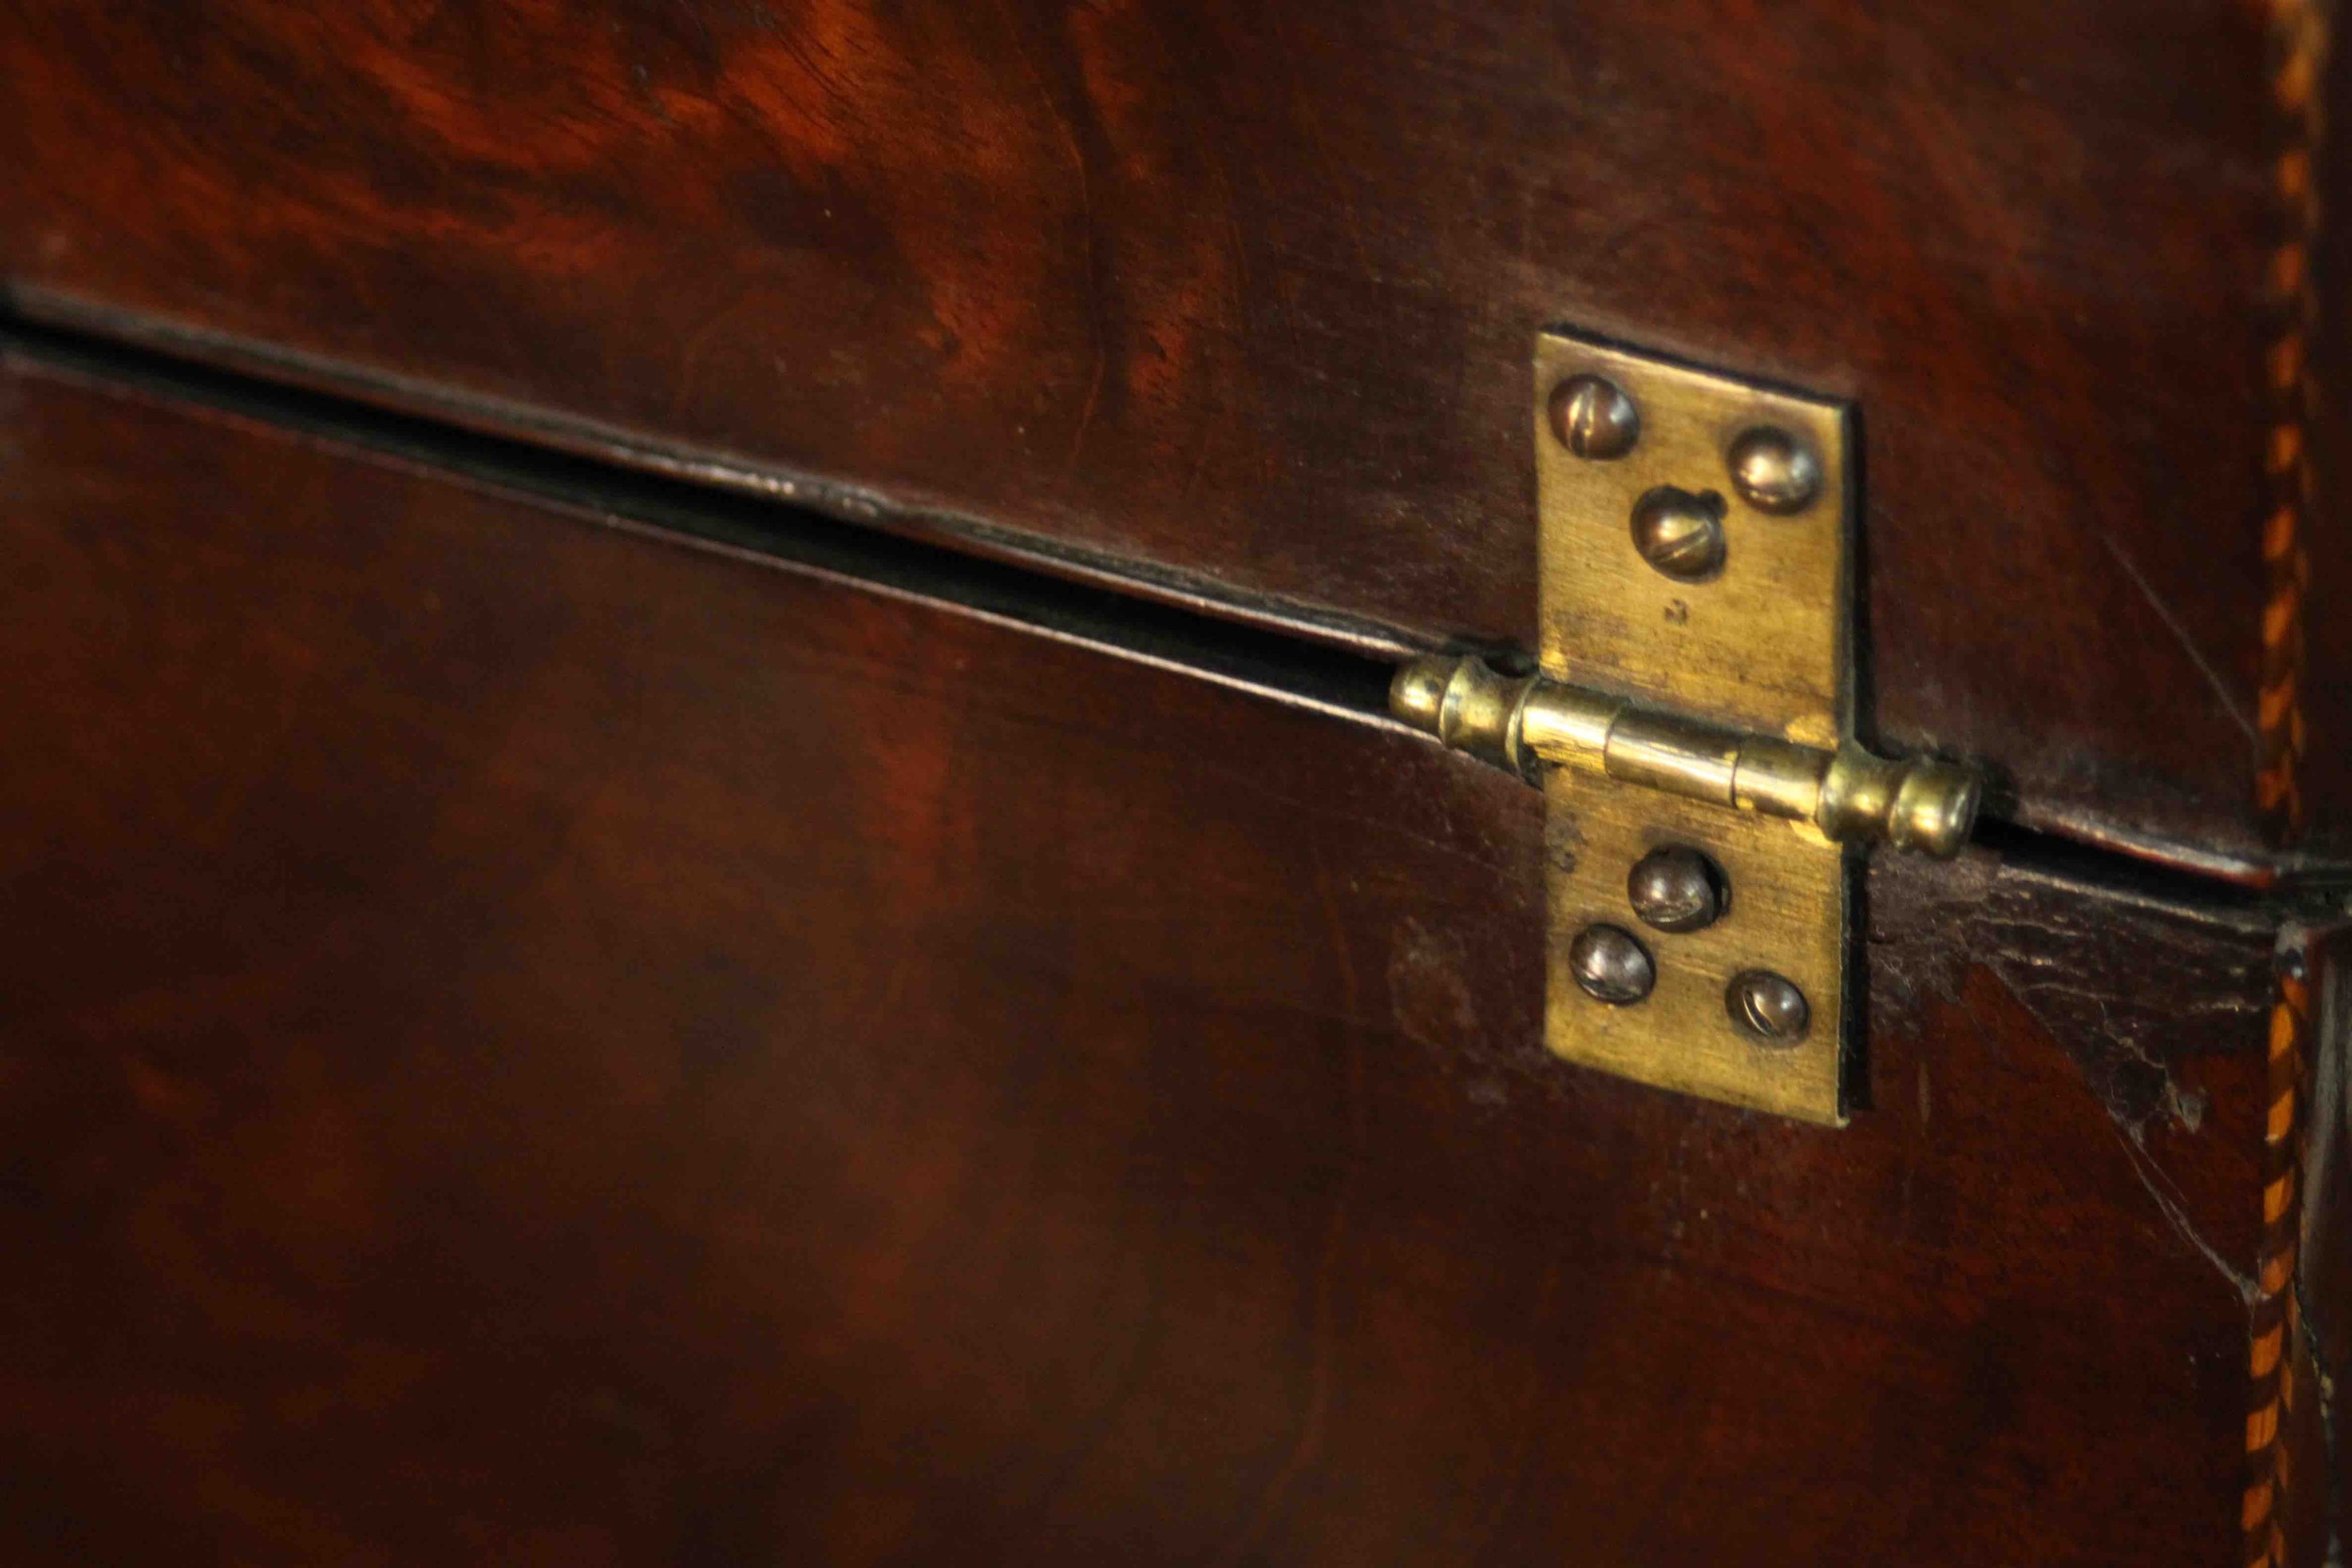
532	1042
1239	298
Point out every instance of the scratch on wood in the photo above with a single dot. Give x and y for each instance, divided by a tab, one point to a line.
2172	624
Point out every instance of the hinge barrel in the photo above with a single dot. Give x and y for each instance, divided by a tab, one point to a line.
1522	724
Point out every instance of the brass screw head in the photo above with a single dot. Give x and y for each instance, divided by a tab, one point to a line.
1767	1007
1774	471
1592	417
1674	888
1611	965
1679	533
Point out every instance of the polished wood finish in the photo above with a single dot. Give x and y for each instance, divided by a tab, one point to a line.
1238	298
532	1042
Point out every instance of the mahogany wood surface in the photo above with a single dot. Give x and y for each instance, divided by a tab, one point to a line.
1238	297
528	1042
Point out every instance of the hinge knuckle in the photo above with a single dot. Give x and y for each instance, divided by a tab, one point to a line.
1854	796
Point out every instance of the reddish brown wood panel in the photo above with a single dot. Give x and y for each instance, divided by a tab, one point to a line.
1241	297
534	1042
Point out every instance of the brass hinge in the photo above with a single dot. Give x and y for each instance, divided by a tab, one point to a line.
1693	728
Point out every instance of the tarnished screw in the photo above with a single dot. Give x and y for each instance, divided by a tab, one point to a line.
1773	471
1594	418
1679	533
1675	889
1611	965
1771	1008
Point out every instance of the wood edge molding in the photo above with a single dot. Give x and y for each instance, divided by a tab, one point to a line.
2274	1327
2298	52
2297	48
